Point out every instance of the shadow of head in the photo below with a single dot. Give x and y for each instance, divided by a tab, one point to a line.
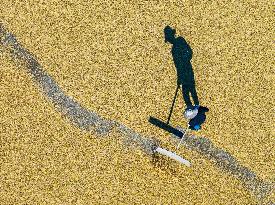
169	34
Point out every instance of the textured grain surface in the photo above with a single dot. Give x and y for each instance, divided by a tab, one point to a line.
111	57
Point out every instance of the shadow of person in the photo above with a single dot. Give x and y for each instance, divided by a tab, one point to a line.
182	55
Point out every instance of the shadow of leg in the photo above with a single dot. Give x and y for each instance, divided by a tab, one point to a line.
186	96
194	94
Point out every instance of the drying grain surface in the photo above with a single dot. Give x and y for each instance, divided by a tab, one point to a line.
46	160
111	57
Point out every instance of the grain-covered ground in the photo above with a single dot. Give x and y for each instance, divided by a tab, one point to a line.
111	57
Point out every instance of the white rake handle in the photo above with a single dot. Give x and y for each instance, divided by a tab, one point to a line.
173	156
183	136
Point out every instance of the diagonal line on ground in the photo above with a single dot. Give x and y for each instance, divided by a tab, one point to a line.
80	116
